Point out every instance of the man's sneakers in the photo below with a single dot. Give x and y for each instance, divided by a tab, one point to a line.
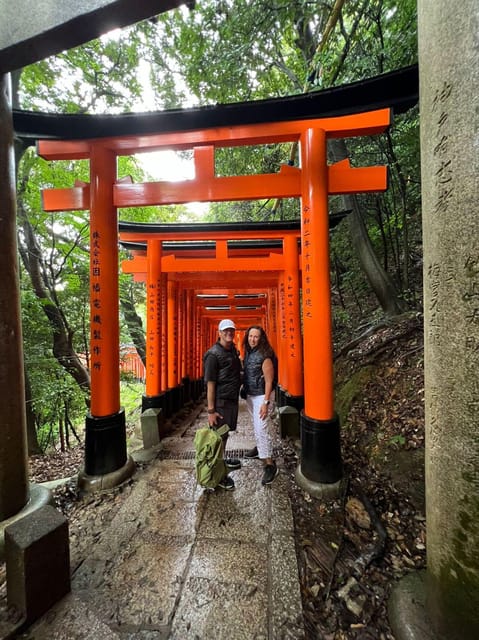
270	473
232	463
252	453
227	484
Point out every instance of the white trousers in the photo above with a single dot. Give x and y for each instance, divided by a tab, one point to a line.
261	427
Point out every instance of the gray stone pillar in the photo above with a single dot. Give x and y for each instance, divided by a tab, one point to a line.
13	448
449	108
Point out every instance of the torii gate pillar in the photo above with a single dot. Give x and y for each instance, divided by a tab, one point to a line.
13	461
294	396
106	460
154	397
320	469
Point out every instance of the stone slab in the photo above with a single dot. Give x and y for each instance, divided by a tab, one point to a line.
242	514
281	512
71	619
286	606
151	421
289	422
138	586
225	593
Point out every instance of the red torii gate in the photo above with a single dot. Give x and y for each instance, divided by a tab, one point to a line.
205	329
105	425
280	266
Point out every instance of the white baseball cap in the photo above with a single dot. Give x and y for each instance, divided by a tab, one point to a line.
226	324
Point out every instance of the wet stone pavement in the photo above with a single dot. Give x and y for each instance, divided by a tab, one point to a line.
177	562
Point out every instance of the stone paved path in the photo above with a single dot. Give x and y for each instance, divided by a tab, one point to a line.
178	563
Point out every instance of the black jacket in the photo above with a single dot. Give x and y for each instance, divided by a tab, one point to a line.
223	366
253	379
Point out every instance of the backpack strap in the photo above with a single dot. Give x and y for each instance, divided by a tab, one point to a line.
223	430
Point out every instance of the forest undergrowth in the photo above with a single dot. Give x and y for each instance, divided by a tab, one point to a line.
352	550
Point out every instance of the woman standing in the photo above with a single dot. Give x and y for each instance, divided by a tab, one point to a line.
258	383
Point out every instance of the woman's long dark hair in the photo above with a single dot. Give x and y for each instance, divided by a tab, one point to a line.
264	346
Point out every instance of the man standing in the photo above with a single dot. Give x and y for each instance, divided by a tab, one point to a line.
222	370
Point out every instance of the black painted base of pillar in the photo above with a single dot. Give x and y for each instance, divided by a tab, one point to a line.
169	401
168	404
105	443
285	399
280	394
194	391
197	389
174	395
153	402
321	450
297	402
186	384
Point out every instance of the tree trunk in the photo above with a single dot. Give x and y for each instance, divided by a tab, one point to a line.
404	219
380	282
32	259
62	335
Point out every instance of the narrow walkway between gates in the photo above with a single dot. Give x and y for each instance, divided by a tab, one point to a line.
177	562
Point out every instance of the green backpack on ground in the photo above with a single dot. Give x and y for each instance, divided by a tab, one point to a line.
210	465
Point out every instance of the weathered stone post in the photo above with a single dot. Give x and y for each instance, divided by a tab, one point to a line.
449	107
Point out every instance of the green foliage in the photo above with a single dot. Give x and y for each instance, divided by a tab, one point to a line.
397	441
53	401
237	42
98	77
131	393
376	36
341	317
253	211
265	49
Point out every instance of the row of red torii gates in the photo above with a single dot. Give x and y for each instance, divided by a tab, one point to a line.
281	270
252	278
